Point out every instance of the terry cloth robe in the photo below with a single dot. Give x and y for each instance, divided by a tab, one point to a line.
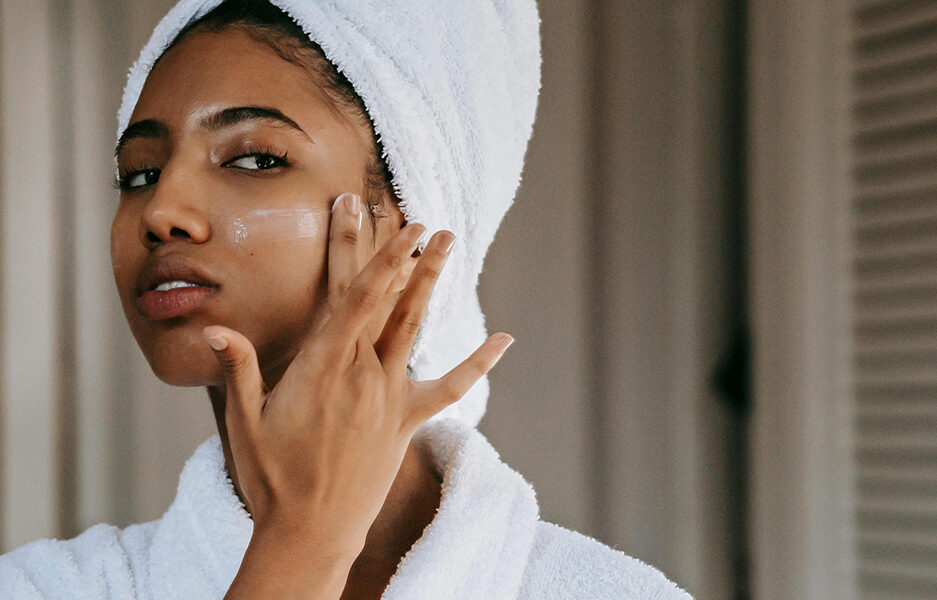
486	541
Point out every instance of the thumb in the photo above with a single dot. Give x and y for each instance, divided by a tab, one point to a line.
244	385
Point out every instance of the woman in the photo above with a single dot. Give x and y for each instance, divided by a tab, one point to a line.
279	170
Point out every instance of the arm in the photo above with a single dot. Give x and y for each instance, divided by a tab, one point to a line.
285	565
316	456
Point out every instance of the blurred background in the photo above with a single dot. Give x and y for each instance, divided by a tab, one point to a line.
720	270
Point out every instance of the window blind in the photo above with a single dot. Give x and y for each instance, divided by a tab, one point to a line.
894	140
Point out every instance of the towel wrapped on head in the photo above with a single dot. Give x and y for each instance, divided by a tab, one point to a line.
451	88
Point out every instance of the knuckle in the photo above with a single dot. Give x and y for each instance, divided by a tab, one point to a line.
410	325
349	236
432	271
235	363
394	261
366	299
341	287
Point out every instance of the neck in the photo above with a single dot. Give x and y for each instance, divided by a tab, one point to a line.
410	505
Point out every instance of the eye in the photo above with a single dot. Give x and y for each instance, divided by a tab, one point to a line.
139	179
258	161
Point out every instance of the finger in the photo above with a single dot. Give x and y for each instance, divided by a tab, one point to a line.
439	394
344	235
244	385
396	340
371	287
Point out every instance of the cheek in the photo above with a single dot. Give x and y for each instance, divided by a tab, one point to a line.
299	226
284	274
124	247
282	263
281	255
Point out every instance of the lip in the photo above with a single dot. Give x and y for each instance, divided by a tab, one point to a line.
157	305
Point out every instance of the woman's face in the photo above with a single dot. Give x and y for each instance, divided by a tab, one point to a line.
229	169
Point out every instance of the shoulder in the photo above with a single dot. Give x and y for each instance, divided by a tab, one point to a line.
568	564
98	563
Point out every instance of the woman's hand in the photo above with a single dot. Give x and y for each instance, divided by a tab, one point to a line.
316	456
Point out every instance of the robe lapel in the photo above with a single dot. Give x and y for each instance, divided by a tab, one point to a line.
477	545
202	538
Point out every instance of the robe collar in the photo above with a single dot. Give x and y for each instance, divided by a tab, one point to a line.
477	545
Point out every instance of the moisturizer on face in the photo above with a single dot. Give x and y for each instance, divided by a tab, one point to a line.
277	225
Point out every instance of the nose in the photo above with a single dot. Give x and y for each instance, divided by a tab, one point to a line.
174	211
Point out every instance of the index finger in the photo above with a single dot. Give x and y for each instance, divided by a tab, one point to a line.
344	261
373	284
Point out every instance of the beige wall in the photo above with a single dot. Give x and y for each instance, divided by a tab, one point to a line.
614	271
608	270
803	272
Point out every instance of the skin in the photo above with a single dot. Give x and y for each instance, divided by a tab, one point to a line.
303	350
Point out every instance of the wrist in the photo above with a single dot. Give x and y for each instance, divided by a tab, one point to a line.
326	547
287	564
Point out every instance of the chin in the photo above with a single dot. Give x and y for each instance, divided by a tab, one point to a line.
183	362
189	375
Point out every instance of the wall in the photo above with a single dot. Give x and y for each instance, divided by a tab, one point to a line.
800	248
618	273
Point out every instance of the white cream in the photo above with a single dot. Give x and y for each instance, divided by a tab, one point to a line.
277	225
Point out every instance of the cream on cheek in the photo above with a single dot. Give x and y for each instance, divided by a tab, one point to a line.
268	225
245	230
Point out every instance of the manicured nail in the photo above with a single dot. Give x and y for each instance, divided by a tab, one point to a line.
352	204
216	342
418	233
450	245
502	342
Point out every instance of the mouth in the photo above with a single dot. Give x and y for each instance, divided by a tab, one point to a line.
170	287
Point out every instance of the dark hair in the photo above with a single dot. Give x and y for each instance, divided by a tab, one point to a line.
271	26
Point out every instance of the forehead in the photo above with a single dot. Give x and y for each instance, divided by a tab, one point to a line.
207	70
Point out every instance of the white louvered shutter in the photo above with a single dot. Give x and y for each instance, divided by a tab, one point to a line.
895	303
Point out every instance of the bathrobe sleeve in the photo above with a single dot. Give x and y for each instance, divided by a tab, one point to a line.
565	564
94	565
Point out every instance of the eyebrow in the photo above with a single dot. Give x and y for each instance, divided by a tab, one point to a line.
239	114
146	129
228	117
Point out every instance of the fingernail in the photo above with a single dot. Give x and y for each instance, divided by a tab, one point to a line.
352	204
503	342
418	232
216	342
451	244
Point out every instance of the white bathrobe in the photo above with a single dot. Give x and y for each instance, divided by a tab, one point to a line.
486	541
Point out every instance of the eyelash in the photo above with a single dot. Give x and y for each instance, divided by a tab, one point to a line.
122	179
124	176
281	159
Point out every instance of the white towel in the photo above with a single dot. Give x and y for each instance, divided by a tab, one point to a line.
451	87
486	542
